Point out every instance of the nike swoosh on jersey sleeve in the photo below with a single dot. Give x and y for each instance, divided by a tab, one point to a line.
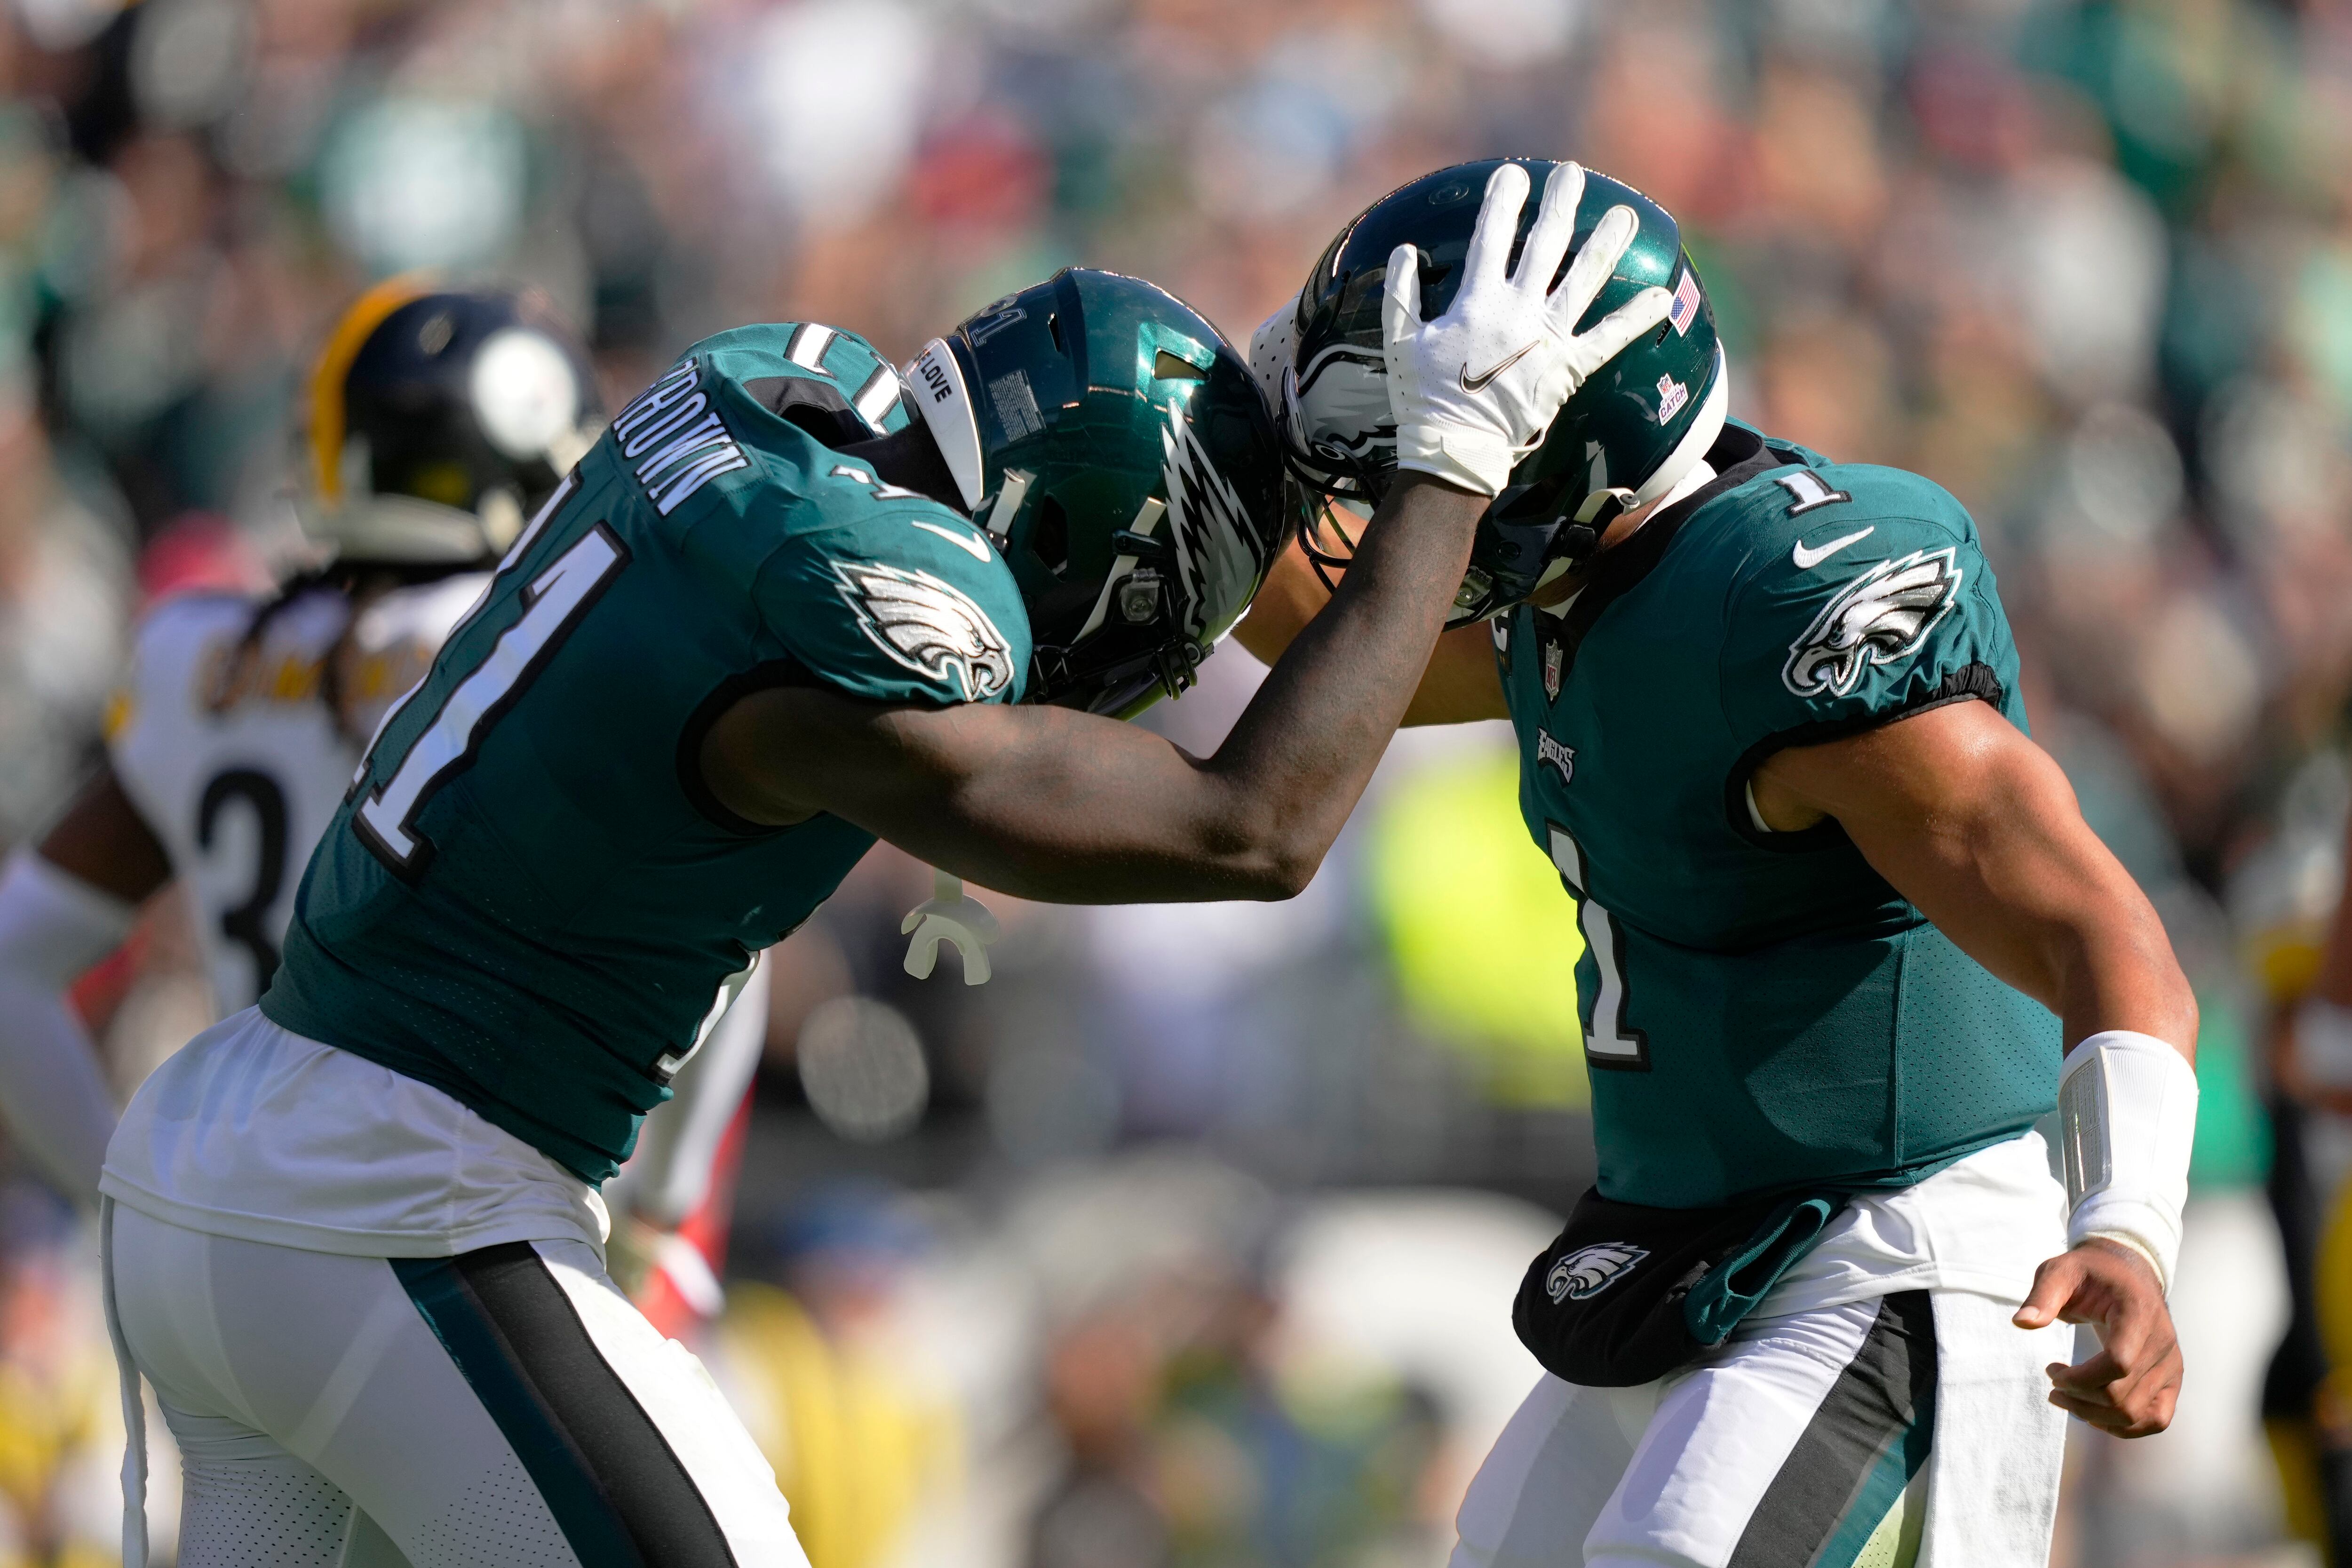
1807	560
970	544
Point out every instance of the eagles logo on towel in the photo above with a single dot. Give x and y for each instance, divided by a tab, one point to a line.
1877	618
1590	1270
930	626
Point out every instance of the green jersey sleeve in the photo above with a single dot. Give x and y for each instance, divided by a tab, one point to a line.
895	598
1867	599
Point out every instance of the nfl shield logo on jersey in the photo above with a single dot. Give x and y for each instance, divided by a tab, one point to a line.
1590	1270
1555	659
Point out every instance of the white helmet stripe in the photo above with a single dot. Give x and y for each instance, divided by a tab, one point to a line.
945	404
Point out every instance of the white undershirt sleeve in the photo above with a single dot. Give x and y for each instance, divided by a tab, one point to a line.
53	1097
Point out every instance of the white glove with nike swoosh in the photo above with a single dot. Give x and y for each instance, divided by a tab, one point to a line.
1474	390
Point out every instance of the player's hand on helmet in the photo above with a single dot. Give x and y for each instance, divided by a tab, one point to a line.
2130	1386
1474	390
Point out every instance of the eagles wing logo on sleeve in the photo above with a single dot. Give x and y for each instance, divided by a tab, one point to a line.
1220	554
930	626
1880	616
1590	1270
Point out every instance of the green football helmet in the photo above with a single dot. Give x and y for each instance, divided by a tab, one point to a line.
1628	437
1113	447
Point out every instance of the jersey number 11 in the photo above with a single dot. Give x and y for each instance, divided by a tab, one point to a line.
553	604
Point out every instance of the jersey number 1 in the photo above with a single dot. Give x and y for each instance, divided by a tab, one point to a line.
1610	1042
553	604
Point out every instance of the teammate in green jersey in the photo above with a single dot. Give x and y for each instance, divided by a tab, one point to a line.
1840	914
790	602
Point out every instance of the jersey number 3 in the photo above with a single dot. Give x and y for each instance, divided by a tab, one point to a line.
553	604
1609	1041
248	923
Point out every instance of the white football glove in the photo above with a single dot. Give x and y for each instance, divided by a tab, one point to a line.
1474	390
950	914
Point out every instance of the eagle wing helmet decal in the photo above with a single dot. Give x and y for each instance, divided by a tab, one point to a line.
930	626
1877	618
1219	549
1340	401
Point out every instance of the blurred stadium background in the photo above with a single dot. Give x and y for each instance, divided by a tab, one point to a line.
1190	1239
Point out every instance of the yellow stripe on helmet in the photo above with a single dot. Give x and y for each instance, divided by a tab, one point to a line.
350	334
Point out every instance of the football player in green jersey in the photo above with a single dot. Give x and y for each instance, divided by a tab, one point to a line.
1848	945
789	603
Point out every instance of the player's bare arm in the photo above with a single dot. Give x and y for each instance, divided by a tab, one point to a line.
104	841
1976	824
1458	685
1047	803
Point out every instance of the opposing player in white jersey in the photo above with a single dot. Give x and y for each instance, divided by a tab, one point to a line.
437	422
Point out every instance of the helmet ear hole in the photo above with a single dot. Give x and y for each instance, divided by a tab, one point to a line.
1119	413
1166	367
1049	536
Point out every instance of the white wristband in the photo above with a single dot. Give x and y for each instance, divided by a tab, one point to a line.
2127	1117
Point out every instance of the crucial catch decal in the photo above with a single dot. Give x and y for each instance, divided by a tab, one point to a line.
1880	616
676	438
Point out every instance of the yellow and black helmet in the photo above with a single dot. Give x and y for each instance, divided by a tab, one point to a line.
438	421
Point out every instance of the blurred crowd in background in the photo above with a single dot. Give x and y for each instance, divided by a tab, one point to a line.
1189	1238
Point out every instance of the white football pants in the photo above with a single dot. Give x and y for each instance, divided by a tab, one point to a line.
504	1408
1880	1434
